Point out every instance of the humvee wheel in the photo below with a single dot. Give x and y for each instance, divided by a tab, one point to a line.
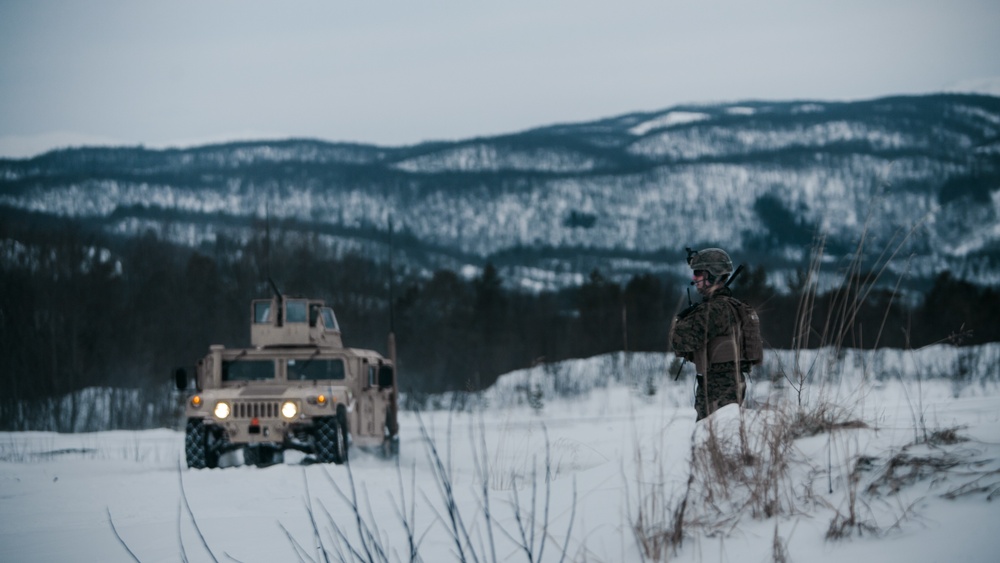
390	447
194	444
390	444
215	442
330	438
345	440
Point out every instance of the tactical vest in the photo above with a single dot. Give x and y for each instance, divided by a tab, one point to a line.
742	343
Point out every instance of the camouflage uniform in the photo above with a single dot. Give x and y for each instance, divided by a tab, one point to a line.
703	335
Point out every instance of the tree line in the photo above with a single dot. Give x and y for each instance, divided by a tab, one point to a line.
80	309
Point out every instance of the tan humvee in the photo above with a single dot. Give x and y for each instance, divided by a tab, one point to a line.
296	388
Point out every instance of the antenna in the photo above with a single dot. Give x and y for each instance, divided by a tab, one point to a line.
392	283
394	397
274	288
267	241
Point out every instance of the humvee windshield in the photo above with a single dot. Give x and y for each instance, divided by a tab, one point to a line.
247	370
312	369
262	312
296	312
329	320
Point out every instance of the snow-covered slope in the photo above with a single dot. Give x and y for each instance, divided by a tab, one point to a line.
905	471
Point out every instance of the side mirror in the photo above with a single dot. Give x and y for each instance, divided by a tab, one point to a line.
180	379
385	377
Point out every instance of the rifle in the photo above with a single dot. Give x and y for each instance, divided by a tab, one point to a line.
684	313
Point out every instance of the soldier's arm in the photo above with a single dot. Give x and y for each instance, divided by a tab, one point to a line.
688	333
705	322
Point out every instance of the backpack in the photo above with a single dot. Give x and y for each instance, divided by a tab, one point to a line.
748	332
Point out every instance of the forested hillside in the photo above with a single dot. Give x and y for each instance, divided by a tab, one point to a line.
547	206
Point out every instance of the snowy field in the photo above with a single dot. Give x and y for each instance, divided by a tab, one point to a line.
559	463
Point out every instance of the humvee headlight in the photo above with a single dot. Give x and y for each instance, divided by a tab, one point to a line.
222	410
289	409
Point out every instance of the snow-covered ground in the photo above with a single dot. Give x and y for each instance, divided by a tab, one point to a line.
914	457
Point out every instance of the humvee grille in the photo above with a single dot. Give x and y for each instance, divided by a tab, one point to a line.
255	409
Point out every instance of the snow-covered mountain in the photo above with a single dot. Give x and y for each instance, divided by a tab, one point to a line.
919	176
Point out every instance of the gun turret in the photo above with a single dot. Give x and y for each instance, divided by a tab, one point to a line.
289	321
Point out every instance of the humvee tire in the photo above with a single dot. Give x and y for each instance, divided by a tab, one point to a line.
194	444
330	438
390	448
202	445
345	431
215	441
390	444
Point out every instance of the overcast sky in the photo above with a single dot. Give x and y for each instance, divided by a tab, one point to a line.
393	72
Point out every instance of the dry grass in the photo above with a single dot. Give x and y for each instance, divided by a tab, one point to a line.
659	521
823	418
737	467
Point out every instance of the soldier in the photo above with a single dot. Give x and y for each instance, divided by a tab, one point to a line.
710	334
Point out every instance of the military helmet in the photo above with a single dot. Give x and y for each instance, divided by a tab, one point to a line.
714	260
